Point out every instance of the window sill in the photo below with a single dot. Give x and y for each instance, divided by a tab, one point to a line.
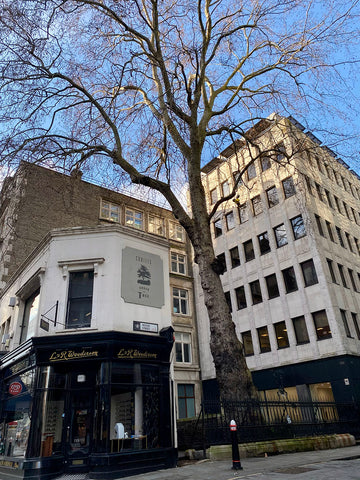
80	329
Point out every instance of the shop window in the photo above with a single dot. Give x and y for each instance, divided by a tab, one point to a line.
342	275
345	323
321	325
134	219
176	232
30	317
322	392
240	297
249	250
156	225
218	228
228	300
251	171
272	286
109	211
264	340
301	332
79	306
247	343
264	243
331	270
257	205
309	273
356	324
298	227
225	189
281	335
256	292
272	196
235	257
280	235
288	187
186	400
178	263
265	163
213	196
243	213
183	347
180	301
230	220
319	226
290	279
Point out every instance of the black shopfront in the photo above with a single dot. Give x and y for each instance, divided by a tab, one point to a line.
91	402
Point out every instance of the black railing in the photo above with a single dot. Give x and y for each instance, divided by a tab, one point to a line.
266	420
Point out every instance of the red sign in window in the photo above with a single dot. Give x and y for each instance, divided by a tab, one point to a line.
15	388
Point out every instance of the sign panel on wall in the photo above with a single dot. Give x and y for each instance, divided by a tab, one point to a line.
142	278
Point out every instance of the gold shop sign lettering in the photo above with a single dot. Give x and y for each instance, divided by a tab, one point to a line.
64	355
8	463
133	353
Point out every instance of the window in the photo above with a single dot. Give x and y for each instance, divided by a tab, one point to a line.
280	235
328	171
272	196
331	270
328	198
218	228
156	225
79	305
178	263
237	179
213	196
337	203
352	280
240	298
356	324
265	163
319	192
308	184
280	152
30	316
272	286
222	262
309	273
230	221
298	227
329	229
251	171
345	322
319	226
225	188
281	335
257	205
301	332
346	211
318	163
243	213
235	257
289	187
134	218
264	340
228	300
342	275
247	343
180	301
289	279
176	232
110	211
249	250
357	245
186	400
255	292
338	232
264	243
183	347
321	325
349	242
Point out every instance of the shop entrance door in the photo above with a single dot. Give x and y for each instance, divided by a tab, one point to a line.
78	424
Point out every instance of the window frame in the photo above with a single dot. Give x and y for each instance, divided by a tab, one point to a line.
246	339
279	238
181	300
265	236
265	347
178	262
286	277
132	220
289	190
235	258
280	329
319	326
230	225
249	254
310	278
240	295
257	206
110	209
187	398
156	222
176	231
294	227
183	339
272	196
72	300
255	290
270	287
299	331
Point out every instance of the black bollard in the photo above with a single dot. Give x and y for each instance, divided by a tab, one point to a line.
235	447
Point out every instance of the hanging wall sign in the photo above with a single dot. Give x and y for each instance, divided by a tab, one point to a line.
142	278
15	388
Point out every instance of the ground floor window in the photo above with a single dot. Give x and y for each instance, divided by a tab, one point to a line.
186	400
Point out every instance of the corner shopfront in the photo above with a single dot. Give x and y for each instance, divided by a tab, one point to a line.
90	402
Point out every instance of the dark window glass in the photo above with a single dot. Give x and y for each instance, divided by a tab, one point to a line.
280	153
356	324
337	203
247	343
329	229
265	163
222	262
264	340
218	228
243	213
272	286
264	243
289	187
349	242
317	160
272	197
281	335
352	280
280	235
319	192
240	298
328	197
345	322
319	226
31	311
298	227
338	232
213	196
342	275
228	300
346	210
301	332
321	325
186	400
331	270
251	171
249	250
309	273
289	279
79	307
234	256
230	221
257	205
256	292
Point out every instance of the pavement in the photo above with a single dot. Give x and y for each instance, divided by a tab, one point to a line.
334	464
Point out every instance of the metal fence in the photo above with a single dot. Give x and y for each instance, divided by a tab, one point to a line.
266	420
